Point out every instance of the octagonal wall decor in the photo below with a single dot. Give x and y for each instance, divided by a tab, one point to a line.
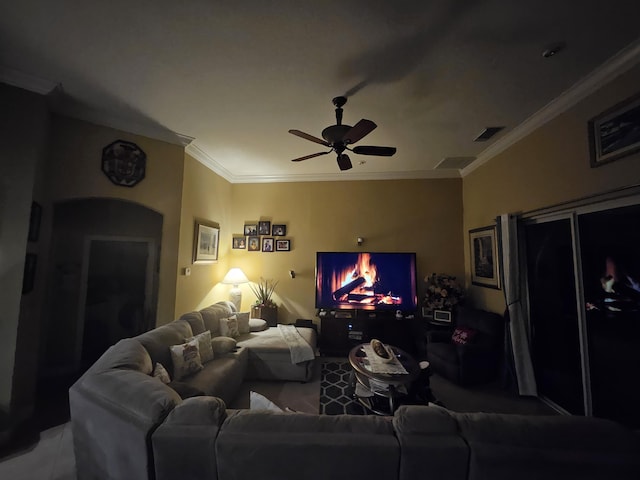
124	163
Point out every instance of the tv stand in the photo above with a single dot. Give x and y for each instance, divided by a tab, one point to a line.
341	330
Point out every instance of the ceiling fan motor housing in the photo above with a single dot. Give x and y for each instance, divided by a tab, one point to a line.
334	134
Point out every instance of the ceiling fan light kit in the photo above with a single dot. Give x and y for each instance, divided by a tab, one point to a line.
338	137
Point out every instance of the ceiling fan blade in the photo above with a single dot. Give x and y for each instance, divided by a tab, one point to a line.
344	162
307	157
359	130
380	151
311	138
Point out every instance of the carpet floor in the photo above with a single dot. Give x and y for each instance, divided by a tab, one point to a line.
336	396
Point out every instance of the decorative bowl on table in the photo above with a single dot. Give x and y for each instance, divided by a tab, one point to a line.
382	351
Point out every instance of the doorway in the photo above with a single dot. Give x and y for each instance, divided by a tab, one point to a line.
116	296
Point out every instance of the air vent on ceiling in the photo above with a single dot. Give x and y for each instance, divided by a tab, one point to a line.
487	133
454	162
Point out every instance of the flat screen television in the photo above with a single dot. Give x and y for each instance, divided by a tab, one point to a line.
366	280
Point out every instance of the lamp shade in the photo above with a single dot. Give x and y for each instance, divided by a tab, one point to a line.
235	276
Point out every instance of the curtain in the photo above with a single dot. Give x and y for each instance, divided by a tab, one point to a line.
517	327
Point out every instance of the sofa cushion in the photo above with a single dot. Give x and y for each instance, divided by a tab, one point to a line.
128	353
161	373
243	322
185	390
212	315
186	359
429	436
257	325
276	445
222	345
229	327
204	346
549	447
195	320
157	341
222	376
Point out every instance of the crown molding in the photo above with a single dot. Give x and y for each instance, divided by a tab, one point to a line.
612	68
200	155
26	81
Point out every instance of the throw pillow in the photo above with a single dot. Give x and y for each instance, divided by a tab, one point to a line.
186	359
185	390
243	322
229	327
161	373
222	345
257	325
260	402
204	346
463	335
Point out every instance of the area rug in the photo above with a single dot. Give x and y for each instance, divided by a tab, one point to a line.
336	396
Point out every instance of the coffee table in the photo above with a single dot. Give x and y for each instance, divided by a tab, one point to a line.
362	374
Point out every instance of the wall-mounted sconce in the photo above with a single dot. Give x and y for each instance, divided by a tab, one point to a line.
292	274
359	240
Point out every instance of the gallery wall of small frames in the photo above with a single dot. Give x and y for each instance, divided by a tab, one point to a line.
262	236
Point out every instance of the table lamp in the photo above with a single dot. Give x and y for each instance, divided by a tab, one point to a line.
235	277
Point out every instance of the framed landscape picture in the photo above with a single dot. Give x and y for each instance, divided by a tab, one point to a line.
205	242
484	257
615	133
250	229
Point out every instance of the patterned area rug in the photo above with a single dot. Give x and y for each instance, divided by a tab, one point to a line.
336	396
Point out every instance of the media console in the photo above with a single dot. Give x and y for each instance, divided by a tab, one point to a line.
342	329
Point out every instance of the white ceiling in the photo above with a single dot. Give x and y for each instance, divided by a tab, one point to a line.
237	75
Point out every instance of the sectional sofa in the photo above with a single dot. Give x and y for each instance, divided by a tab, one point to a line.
127	424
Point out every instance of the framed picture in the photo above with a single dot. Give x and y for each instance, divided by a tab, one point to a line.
283	245
34	222
484	257
205	243
267	244
250	229
264	227
615	133
239	243
278	230
253	244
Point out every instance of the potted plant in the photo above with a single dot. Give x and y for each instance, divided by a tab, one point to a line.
264	307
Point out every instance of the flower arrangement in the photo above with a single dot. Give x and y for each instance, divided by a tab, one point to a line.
442	292
263	290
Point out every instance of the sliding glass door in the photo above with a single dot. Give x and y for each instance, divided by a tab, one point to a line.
555	332
610	247
583	284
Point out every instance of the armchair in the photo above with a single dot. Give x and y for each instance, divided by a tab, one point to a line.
472	355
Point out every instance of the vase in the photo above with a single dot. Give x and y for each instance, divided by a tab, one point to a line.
268	314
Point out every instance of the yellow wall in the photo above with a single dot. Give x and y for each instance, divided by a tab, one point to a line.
548	167
206	196
74	171
422	216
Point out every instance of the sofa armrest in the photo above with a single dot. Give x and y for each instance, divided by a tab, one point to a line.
184	444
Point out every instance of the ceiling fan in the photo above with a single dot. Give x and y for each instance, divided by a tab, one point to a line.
340	136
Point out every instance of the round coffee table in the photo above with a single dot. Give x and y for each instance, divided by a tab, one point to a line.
365	377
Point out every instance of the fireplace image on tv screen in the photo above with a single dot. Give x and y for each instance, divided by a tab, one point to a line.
369	281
